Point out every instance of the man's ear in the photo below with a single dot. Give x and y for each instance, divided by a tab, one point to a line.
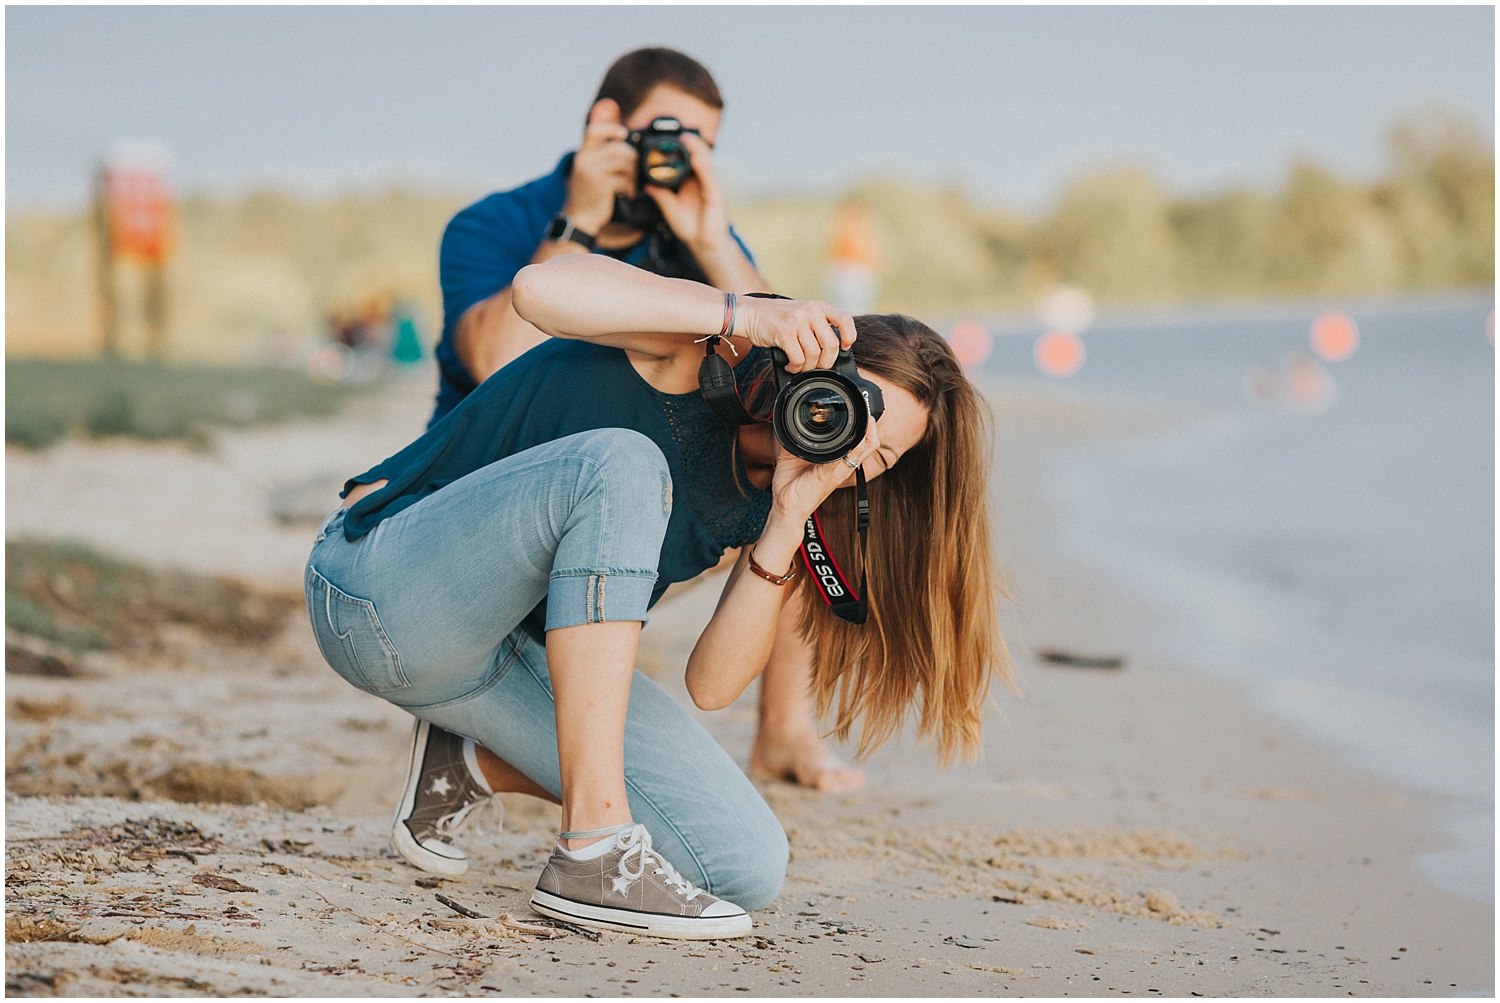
604	112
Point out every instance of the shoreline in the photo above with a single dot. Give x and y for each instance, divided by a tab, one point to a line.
1301	771
1189	593
1126	831
1111	319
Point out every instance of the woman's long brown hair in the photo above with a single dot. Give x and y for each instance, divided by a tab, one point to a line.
932	642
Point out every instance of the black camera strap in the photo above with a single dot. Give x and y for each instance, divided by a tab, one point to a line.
716	383
845	603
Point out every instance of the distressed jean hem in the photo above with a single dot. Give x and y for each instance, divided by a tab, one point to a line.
597	596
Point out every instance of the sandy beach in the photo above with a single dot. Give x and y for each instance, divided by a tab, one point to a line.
199	818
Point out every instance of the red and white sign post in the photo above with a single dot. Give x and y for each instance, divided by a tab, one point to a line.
133	219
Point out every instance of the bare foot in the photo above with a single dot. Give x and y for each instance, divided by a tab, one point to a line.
804	760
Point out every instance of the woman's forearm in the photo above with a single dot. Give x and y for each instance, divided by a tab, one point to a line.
737	642
591	296
595	297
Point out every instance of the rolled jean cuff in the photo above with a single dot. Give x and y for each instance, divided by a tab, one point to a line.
592	596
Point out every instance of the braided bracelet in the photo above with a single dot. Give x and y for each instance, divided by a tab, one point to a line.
731	306
731	302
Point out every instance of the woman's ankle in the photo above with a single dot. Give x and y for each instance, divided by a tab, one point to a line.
591	815
574	839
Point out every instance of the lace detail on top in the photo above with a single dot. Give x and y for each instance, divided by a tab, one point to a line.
732	509
637	843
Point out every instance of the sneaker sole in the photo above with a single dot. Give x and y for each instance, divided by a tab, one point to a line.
406	844
630	921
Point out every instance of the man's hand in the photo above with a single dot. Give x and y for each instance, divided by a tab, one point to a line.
605	164
695	212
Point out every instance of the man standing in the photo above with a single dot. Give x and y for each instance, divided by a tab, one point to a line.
573	211
681	233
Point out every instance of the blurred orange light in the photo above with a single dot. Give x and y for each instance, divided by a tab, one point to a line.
1309	387
853	242
1334	336
971	343
1059	353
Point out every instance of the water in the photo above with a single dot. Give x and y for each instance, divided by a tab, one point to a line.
1341	562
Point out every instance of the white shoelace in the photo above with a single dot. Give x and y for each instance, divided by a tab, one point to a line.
637	843
489	805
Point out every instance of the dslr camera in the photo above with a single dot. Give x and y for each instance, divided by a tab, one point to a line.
817	414
663	160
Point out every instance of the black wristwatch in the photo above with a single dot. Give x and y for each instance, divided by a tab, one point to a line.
561	229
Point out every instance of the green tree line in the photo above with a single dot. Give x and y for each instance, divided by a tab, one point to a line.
1427	223
269	264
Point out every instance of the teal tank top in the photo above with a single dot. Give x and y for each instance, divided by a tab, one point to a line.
562	387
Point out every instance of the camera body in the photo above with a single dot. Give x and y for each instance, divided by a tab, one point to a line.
817	414
821	414
662	160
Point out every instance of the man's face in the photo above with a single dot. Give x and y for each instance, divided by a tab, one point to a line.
667	101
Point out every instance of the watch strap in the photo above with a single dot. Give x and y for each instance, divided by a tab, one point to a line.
562	230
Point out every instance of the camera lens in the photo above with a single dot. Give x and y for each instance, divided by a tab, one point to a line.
820	414
665	162
820	417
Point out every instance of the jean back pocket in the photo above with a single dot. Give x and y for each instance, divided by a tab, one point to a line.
351	638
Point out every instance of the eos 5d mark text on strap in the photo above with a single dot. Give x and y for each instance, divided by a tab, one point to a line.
562	230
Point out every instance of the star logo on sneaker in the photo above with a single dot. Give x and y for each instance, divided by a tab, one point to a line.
621	884
440	786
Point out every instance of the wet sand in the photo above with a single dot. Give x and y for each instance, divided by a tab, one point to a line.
205	819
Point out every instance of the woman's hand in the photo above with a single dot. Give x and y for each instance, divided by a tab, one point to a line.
798	486
737	641
808	331
596	297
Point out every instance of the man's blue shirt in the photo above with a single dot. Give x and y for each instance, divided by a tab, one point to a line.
486	244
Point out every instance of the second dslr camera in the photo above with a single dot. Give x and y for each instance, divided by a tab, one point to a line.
663	160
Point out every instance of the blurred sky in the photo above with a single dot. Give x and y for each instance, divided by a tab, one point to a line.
1009	101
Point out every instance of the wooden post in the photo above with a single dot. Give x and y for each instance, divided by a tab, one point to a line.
109	321
155	310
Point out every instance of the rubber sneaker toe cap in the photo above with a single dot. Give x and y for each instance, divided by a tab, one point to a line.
445	850
722	910
432	855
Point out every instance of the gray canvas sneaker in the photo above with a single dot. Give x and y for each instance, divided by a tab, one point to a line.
633	889
440	796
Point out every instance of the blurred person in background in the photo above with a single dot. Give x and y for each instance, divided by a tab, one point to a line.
592	203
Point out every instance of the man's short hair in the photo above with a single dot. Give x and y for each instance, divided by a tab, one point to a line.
635	74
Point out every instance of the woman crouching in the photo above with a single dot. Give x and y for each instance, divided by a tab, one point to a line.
492	578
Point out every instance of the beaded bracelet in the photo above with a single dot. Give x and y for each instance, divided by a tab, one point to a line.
731	306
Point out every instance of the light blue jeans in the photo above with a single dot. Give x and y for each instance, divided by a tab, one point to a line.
426	609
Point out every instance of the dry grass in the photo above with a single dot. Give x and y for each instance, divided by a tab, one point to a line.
72	596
